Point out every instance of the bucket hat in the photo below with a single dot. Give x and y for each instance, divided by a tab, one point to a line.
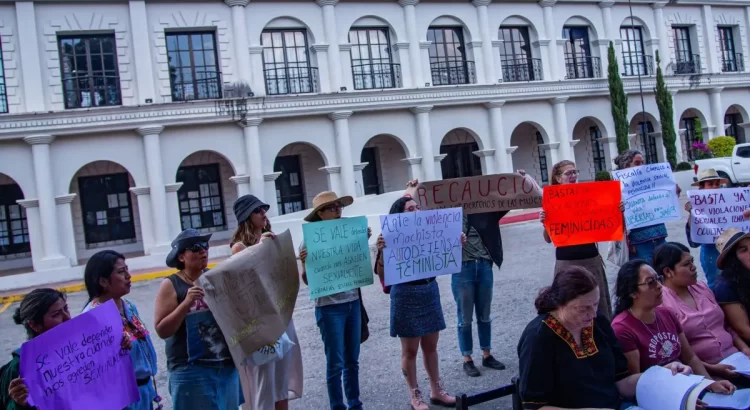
184	240
245	205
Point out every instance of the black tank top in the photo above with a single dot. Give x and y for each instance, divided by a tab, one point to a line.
199	339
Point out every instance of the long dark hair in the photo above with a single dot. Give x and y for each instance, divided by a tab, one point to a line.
666	256
100	266
627	284
399	205
738	276
34	306
567	285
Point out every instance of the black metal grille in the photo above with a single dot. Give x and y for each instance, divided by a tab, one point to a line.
106	209
578	60
372	66
376	75
200	197
90	75
542	158
649	141
634	60
193	66
14	231
3	92
597	150
515	55
522	70
689	136
448	62
291	79
685	61
691	65
583	67
730	59
734	64
286	62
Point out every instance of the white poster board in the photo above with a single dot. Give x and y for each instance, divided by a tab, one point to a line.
716	210
421	245
650	195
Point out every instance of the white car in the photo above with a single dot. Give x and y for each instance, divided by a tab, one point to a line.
735	168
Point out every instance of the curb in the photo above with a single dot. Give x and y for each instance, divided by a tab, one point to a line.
520	218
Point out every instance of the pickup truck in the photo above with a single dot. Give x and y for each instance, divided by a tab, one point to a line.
735	168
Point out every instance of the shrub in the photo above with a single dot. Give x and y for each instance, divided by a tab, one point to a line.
722	146
602	176
701	150
684	166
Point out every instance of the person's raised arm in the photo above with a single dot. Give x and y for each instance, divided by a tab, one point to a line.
545	234
168	314
302	259
737	319
379	263
411	189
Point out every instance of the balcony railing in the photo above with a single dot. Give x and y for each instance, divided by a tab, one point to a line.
453	72
637	64
91	91
376	75
733	64
582	67
206	85
522	69
689	65
290	79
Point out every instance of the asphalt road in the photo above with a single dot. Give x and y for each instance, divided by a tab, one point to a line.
528	267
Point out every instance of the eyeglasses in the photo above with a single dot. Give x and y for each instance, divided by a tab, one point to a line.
197	247
572	172
333	207
652	283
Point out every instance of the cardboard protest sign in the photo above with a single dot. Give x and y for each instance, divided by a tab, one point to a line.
338	256
650	195
79	364
588	212
253	293
421	245
476	195
715	210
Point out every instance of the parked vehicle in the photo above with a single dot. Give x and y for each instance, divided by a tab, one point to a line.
735	168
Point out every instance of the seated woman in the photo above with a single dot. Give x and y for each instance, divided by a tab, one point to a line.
732	288
569	357
650	334
696	309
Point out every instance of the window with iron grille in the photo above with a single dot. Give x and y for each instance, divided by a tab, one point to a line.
515	55
578	60
633	57
14	231
447	56
689	125
3	91
201	201
733	130
371	58
646	130
600	162
542	158
728	51
90	75
682	48
106	209
193	66
286	63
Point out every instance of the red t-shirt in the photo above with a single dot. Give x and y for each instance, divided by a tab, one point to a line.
658	343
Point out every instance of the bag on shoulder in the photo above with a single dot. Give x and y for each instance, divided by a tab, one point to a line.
365	334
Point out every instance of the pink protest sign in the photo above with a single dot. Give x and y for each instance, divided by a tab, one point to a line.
79	364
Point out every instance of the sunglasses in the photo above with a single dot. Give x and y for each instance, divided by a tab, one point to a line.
197	247
652	283
259	210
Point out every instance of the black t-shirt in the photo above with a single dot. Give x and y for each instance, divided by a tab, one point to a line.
557	372
576	252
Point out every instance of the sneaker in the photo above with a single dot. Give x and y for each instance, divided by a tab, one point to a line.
492	363
470	369
441	398
417	402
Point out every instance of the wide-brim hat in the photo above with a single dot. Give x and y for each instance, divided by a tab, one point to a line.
245	205
726	242
324	199
708	174
184	240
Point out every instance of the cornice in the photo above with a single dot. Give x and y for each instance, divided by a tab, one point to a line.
237	3
547	3
495	104
319	47
480	3
418	160
255	49
549	146
606	4
405	3
716	90
659	5
422	109
346	47
39	139
360	167
240	179
474	44
28	203
558	100
439	158
484	153
322	3
173	187
331	169
141	190
401	46
539	43
424	45
497	43
340	115
150	130
64	199
511	150
271	177
250	122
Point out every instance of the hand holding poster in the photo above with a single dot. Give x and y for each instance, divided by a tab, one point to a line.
650	195
338	256
79	364
421	245
588	212
716	210
253	293
476	195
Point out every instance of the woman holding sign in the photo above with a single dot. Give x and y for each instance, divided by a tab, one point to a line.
107	277
271	385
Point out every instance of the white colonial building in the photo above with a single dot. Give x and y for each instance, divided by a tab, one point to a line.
126	121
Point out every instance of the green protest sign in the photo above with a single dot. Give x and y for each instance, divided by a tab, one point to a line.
338	256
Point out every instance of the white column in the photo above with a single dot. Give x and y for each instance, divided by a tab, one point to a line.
503	160
173	208
438	166
254	162
347	77
45	191
31	66
329	25
717	114
241	41
415	60
661	32
344	151
606	7
544	53
561	128
256	67
487	157
552	35
611	35
271	194
31	206
415	167
709	37
479	69
747	34
484	31
144	74
425	141
143	196
610	150
403	57
321	50
359	179
243	187
67	233
334	178
152	149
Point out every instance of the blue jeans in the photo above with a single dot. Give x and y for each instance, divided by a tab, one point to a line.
709	254
472	291
204	388
341	329
645	251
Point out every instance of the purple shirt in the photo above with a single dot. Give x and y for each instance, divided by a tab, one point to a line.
657	343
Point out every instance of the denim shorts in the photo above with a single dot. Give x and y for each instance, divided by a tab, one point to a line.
195	387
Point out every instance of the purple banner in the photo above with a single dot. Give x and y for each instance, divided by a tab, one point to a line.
79	364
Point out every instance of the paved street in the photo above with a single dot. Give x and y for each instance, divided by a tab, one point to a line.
527	267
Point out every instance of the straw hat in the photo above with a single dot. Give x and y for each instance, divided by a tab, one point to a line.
726	242
709	174
324	199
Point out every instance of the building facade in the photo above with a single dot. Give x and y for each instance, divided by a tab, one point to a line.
124	122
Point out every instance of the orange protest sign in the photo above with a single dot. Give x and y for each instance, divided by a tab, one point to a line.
583	213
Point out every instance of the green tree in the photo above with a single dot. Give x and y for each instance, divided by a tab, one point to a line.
618	100
698	129
666	115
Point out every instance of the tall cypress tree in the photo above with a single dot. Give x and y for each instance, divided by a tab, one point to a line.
666	115
618	100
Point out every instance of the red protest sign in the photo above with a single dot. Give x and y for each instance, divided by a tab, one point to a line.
583	213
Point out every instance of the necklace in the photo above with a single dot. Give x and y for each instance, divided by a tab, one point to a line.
186	278
656	320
